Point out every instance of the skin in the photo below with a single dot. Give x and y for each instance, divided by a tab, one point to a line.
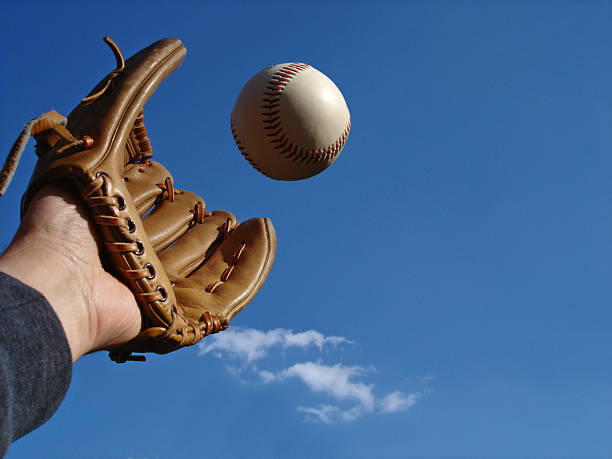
55	251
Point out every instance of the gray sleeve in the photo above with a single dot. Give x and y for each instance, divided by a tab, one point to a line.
35	360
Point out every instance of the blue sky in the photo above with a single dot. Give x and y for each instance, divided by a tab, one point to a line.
442	290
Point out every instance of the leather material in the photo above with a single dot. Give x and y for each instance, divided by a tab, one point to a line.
191	270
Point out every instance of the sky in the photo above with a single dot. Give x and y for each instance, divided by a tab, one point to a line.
443	290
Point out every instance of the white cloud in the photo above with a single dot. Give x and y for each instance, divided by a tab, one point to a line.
326	413
267	376
251	345
397	401
353	398
311	338
332	380
337	381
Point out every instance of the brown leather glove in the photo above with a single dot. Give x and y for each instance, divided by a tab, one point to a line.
190	270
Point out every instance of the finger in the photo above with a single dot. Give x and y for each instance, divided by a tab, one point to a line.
232	275
145	182
170	219
192	248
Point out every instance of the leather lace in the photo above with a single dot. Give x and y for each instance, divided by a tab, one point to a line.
46	122
111	76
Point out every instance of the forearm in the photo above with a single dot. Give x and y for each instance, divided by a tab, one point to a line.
35	360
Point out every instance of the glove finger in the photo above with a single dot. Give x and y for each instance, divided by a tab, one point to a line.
170	219
145	182
192	248
232	275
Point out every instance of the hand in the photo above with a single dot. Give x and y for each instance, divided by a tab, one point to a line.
55	252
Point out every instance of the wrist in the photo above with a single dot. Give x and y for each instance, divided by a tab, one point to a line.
55	252
47	272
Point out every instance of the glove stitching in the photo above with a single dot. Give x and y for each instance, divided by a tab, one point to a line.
225	275
99	197
188	334
141	138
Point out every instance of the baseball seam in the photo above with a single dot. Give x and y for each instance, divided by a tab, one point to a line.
273	124
246	155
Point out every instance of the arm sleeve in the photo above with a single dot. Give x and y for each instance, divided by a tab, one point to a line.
35	360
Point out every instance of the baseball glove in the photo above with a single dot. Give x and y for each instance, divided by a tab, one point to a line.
190	270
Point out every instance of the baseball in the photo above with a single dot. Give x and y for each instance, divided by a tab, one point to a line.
290	121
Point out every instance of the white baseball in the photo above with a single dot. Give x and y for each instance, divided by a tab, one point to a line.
290	121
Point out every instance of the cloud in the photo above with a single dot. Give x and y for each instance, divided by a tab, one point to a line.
250	345
326	413
337	381
396	401
332	380
352	398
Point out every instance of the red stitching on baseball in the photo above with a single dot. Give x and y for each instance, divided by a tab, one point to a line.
246	155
